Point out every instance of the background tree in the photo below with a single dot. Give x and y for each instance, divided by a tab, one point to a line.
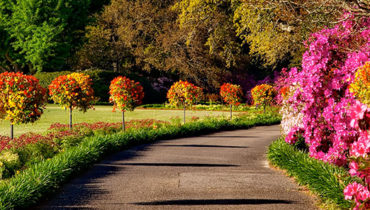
126	95
125	35
276	29
40	34
184	94
232	95
202	43
22	99
72	91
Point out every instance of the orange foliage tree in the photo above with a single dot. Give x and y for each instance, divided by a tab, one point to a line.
126	95
185	94
232	95
263	95
72	91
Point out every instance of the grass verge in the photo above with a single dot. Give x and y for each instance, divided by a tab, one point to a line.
324	180
28	187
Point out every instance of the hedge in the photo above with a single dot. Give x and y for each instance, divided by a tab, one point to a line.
323	179
41	179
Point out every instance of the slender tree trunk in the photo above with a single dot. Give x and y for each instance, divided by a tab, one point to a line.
264	109
123	121
231	111
11	131
184	113
70	118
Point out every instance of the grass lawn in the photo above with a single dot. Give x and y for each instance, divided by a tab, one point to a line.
54	114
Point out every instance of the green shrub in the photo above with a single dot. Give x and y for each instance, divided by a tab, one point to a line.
10	162
326	180
34	153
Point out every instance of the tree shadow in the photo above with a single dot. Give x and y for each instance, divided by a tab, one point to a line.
190	202
201	146
232	137
178	164
83	188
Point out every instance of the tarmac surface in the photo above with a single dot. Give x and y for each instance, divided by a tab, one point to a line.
224	170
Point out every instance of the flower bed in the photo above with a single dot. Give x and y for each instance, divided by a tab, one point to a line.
19	153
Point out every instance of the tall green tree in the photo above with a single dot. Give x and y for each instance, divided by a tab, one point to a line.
40	35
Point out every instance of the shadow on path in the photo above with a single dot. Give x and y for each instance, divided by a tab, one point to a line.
231	137
177	164
84	188
215	202
201	146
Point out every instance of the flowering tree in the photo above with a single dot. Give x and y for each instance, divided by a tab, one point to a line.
72	91
263	95
333	93
185	94
232	95
125	94
22	99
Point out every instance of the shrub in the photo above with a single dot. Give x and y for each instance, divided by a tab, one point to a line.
335	122
22	99
184	94
126	95
263	94
231	94
72	91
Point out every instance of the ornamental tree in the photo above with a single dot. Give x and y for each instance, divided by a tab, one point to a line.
126	95
232	95
72	91
263	95
22	99
185	94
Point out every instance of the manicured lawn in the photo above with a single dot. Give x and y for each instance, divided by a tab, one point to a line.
54	114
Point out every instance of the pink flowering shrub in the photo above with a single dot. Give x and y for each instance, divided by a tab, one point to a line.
335	124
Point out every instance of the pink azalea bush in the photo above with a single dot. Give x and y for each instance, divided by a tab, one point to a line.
334	123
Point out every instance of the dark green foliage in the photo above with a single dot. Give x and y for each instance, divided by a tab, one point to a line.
27	188
326	180
41	35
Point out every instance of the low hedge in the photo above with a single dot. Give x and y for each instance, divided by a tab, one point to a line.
28	187
323	179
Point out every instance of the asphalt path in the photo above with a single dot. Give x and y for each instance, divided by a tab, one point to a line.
224	170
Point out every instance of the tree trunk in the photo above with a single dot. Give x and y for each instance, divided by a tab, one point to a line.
231	111
123	121
184	113
70	118
11	131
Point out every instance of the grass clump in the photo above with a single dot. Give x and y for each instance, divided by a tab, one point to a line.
323	179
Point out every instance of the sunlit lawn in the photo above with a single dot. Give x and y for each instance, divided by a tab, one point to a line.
54	114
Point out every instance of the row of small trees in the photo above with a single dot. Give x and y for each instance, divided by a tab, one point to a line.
22	99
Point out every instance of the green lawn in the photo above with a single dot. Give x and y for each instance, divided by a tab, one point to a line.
54	114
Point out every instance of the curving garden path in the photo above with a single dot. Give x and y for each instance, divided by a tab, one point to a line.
225	170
